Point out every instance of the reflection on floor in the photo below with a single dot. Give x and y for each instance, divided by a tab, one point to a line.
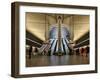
56	60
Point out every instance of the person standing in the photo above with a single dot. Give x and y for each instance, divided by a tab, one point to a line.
30	52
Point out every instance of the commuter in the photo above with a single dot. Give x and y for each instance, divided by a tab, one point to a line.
30	52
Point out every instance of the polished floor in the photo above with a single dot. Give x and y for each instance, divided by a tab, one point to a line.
56	60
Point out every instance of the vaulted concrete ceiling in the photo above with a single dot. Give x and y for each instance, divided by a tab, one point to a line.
39	24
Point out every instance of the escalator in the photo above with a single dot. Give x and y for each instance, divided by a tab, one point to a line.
64	47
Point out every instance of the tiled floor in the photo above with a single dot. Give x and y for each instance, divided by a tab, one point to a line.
56	60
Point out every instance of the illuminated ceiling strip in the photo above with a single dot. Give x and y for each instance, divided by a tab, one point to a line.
33	41
82	42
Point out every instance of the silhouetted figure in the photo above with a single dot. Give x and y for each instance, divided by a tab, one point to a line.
86	50
81	50
36	50
49	52
30	52
77	51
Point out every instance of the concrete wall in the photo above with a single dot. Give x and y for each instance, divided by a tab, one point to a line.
68	21
77	25
81	26
35	23
38	24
